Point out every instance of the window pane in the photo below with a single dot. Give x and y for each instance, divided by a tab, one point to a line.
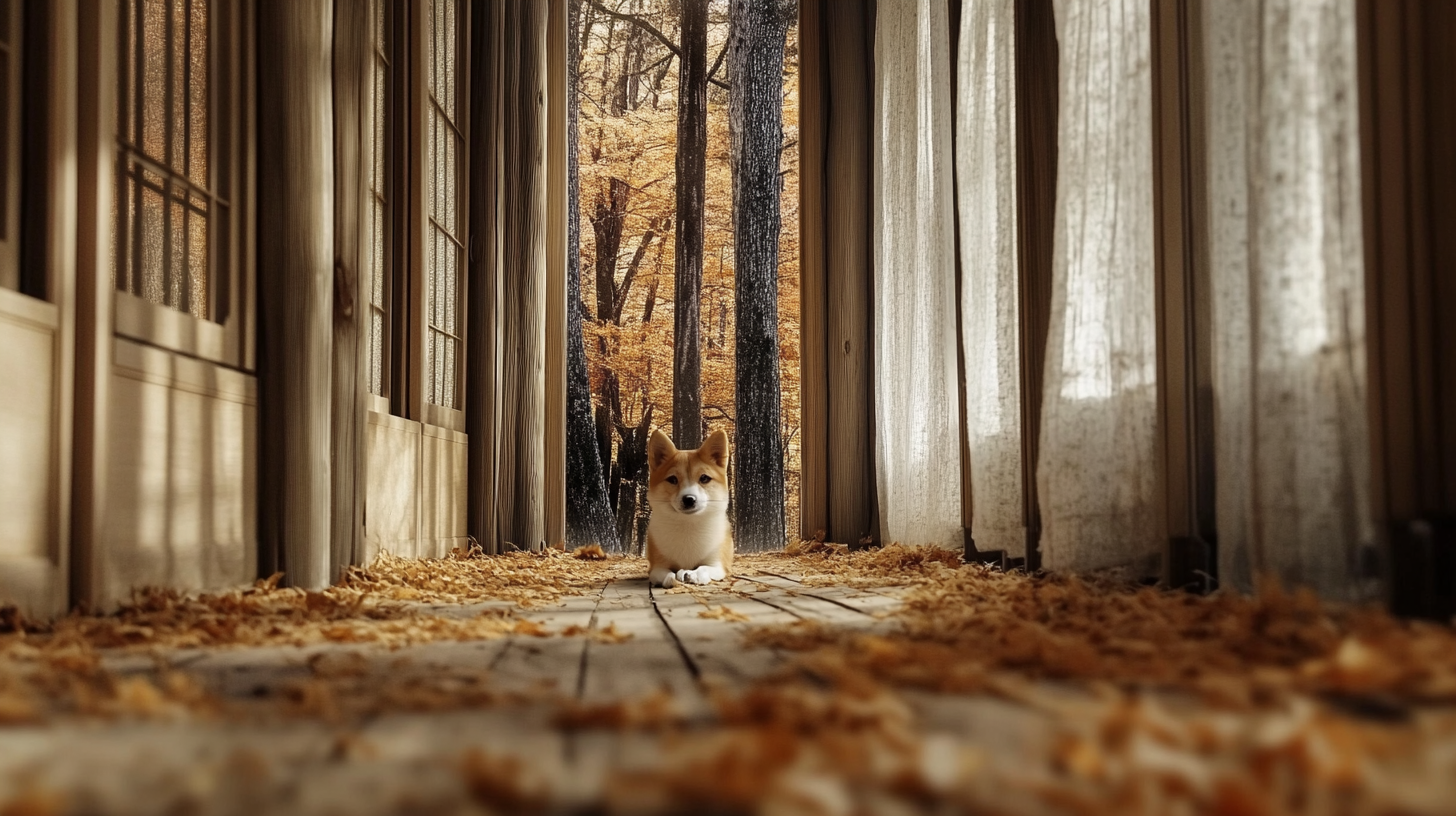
167	230
197	140
153	89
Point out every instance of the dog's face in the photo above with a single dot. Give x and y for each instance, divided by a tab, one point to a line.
688	482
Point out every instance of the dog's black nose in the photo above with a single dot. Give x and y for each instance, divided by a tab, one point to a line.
689	502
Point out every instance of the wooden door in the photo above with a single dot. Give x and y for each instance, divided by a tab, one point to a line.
37	254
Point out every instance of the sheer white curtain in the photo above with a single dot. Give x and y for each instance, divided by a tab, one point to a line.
985	148
1097	474
917	433
1288	320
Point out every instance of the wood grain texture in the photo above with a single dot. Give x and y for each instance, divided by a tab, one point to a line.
1408	183
1181	272
813	275
482	358
1036	188
296	285
849	37
554	498
523	279
352	58
96	55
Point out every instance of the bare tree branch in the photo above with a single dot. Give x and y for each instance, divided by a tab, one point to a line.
655	32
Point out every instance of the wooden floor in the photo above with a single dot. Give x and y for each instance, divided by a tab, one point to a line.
560	711
630	641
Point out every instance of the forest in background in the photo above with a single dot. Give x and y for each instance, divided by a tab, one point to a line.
628	77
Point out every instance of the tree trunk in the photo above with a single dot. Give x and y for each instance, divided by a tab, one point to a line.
692	150
296	286
755	125
588	518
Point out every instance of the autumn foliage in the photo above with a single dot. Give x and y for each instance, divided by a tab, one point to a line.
628	116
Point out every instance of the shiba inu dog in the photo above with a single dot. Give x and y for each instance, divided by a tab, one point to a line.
688	536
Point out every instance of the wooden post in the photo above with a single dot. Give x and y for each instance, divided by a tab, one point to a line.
482	356
95	184
1184	299
523	280
350	389
295	286
1036	193
554	498
813	355
849	36
1408	182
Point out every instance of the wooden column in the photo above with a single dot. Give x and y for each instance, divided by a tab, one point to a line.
521	492
1407	58
847	234
813	339
1036	195
352	58
295	287
482	356
554	500
1180	234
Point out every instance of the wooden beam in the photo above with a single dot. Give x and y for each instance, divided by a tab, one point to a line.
813	298
352	59
295	286
850	462
1408	182
482	356
95	184
1183	293
554	499
523	281
1036	192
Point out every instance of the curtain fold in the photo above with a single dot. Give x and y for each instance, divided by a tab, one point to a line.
985	161
1097	469
917	434
1288	283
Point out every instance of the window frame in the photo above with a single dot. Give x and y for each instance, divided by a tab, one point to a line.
229	341
407	326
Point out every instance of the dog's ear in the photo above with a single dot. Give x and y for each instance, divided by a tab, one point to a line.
659	450
715	450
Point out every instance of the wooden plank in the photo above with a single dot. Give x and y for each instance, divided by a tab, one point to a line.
648	661
296	274
352	55
873	604
554	501
523	281
482	357
813	357
715	645
847	234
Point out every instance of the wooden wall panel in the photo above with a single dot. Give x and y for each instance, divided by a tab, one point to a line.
182	480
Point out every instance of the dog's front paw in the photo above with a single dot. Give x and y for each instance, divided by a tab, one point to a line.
700	576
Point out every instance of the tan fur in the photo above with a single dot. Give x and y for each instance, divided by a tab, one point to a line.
687	541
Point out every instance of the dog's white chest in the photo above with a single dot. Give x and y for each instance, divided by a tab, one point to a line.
688	540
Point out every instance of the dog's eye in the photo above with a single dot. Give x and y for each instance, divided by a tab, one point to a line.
704	479
672	480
